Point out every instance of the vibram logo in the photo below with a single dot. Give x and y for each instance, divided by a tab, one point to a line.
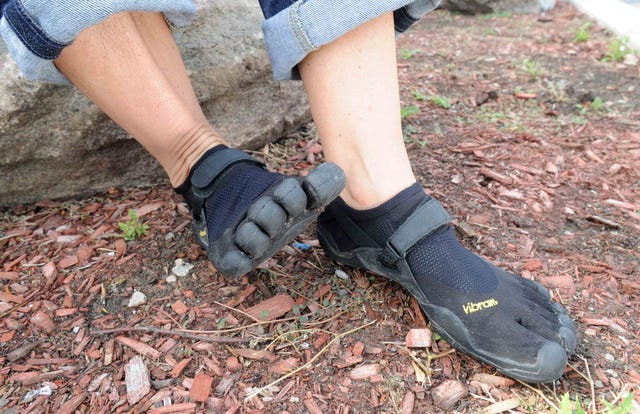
475	307
203	233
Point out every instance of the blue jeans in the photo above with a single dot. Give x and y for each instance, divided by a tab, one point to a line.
293	29
36	31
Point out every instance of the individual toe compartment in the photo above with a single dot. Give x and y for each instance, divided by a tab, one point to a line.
291	196
269	215
251	239
234	264
323	184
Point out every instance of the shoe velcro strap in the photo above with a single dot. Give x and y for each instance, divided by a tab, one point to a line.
425	219
208	170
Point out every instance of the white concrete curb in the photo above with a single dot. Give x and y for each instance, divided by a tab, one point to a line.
621	18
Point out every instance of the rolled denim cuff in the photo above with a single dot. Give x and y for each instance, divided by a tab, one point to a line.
36	31
305	25
405	17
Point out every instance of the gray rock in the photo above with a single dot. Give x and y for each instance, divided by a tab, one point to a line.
491	6
54	143
137	299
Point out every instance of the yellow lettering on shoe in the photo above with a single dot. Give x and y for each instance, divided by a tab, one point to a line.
203	234
475	307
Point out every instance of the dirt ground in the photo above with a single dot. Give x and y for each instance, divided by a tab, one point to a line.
530	138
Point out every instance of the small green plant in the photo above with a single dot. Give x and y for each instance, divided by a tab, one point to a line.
617	50
566	406
440	101
597	106
419	95
409	111
132	228
407	132
533	68
406	53
582	34
625	406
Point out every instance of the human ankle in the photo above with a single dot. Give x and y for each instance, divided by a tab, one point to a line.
366	194
191	146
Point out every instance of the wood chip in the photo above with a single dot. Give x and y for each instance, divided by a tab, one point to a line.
136	377
139	347
9	276
408	403
605	221
494	380
176	371
364	371
10	298
49	270
72	404
179	307
20	352
447	394
68	262
526	96
43	322
358	348
285	366
149	208
533	264
312	406
502	179
272	308
201	387
174	408
502	406
419	338
258	355
30	378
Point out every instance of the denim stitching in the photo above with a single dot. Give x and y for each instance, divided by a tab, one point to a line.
297	29
43	46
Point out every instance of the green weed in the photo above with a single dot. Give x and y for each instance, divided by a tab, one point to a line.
617	50
133	229
440	101
419	95
532	68
596	106
406	53
582	33
409	111
566	406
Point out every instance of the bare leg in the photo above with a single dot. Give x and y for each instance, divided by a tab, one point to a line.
130	67
353	90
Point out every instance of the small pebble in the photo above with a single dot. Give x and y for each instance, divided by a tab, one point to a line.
138	298
294	399
171	279
598	384
181	268
609	358
169	236
340	274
